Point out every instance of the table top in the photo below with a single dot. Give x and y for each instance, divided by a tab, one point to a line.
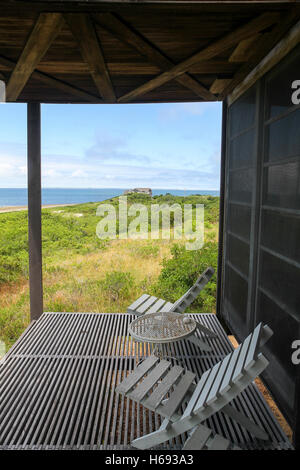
162	327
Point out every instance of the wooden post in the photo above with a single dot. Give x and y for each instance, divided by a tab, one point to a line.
221	210
34	209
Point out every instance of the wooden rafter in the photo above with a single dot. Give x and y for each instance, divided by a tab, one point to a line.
217	47
219	85
214	67
56	83
274	56
128	35
84	32
262	49
243	50
44	32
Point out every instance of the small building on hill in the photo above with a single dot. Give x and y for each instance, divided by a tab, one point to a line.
147	191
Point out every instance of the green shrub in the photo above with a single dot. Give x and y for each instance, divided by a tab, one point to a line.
13	267
118	284
180	272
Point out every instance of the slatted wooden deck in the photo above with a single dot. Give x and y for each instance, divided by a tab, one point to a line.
57	387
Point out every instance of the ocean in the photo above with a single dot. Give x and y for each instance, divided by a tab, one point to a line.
18	196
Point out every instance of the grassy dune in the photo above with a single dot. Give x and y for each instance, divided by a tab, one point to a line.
85	274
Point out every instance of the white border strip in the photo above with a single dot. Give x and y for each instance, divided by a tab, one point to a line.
2	92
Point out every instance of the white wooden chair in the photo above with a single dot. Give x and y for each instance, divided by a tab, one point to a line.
164	388
202	438
151	304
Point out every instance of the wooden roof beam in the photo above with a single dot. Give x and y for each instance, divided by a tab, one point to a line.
217	47
219	85
263	48
56	83
128	35
243	50
84	32
44	32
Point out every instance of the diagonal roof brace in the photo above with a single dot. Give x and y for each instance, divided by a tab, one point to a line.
217	47
43	34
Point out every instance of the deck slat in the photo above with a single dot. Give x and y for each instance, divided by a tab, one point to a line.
58	382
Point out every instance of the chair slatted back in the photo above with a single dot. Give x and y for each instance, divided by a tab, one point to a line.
225	384
206	389
218	379
185	301
229	371
254	345
239	368
213	394
193	400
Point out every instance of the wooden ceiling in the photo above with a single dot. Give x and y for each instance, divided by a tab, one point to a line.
107	52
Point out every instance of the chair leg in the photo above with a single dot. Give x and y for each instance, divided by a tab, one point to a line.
165	424
153	439
206	331
167	431
245	422
198	342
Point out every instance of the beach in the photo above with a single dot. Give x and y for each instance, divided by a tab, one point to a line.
6	209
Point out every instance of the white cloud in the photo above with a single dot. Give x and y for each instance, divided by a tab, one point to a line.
110	161
107	148
11	167
79	173
58	171
23	170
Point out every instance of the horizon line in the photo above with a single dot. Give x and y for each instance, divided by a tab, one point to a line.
110	187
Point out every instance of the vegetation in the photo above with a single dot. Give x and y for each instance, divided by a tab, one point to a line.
85	274
180	272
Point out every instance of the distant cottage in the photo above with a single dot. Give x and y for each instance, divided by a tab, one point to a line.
139	190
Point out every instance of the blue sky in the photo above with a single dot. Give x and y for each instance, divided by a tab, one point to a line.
171	146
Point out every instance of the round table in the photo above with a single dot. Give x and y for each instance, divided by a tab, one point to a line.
162	327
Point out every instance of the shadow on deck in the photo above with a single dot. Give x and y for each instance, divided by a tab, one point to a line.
57	387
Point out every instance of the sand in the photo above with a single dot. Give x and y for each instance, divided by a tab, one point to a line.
25	208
